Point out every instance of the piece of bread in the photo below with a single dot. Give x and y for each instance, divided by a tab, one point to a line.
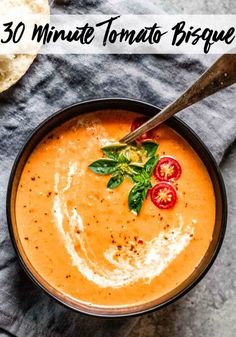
13	67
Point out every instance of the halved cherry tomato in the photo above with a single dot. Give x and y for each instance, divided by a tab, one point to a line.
136	124
167	168
163	195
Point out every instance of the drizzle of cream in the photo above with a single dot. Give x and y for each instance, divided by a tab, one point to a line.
72	170
154	255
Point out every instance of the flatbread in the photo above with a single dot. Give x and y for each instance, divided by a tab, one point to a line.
13	67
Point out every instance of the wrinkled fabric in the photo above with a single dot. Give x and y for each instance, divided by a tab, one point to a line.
53	82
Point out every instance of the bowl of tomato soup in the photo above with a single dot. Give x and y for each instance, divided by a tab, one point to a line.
111	229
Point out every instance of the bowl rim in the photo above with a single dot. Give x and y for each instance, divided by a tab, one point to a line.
196	138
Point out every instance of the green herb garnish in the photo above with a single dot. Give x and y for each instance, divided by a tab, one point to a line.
136	162
104	166
142	184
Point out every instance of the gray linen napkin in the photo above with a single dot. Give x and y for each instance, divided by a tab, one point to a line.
54	82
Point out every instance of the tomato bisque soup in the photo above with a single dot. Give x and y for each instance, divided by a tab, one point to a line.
114	235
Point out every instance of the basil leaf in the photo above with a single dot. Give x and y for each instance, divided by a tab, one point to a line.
115	181
145	176
123	159
136	197
137	168
150	165
103	166
116	146
111	154
112	150
138	178
150	148
135	173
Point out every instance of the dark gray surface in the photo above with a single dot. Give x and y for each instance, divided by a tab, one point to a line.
54	82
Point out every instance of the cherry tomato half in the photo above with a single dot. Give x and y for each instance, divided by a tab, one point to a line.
136	124
163	195
167	168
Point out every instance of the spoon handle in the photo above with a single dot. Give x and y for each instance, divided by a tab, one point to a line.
220	75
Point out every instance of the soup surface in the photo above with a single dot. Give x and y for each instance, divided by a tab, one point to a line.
83	239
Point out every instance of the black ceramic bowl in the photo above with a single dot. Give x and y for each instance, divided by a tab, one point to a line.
186	132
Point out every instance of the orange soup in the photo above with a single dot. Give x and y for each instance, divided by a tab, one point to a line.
101	245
